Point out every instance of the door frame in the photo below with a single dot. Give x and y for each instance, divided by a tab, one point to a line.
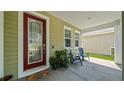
1	44
21	72
26	32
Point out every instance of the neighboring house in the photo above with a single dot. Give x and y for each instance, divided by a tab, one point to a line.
27	35
99	41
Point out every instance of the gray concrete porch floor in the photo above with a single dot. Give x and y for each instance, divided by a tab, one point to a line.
93	70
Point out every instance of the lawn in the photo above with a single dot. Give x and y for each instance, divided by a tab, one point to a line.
106	57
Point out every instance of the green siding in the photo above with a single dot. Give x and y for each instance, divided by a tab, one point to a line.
57	32
11	39
11	43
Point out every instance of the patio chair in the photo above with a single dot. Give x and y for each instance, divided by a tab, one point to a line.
75	56
83	54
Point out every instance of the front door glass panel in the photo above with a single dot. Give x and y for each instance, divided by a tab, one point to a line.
35	41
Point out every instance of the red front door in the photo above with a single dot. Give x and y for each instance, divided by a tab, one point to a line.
34	41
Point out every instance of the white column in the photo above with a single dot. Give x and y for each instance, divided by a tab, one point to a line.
1	46
118	41
72	39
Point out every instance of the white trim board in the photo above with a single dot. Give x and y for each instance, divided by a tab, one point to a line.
1	44
98	32
22	73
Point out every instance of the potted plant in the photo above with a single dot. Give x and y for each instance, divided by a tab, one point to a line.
53	63
61	58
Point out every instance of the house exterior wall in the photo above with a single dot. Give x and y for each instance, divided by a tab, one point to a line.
57	32
99	44
56	36
11	43
1	45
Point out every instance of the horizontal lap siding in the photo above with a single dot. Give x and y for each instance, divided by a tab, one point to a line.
11	43
57	32
56	36
99	44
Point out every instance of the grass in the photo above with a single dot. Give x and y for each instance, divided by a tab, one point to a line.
101	56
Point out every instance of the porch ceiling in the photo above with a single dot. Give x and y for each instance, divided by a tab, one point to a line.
86	19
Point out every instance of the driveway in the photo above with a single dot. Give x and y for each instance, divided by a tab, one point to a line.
93	70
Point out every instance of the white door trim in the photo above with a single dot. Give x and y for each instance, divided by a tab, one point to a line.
21	72
1	44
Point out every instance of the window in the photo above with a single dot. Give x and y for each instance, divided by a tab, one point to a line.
77	38
67	37
35	41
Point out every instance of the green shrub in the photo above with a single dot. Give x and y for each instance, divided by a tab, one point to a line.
53	63
61	58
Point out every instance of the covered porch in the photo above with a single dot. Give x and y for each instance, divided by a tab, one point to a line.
93	70
60	30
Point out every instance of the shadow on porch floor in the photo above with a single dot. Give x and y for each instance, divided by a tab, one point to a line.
90	71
